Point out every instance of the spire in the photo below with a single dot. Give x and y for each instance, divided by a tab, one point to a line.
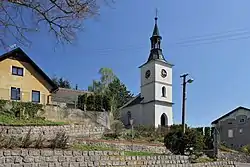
156	30
156	51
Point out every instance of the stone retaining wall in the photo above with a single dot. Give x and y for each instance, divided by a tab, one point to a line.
67	158
50	131
126	146
57	113
234	156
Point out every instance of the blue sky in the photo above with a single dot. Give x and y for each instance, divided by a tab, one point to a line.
119	39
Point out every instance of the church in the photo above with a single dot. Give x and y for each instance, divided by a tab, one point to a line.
153	106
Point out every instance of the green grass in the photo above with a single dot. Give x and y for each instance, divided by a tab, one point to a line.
85	147
135	153
13	121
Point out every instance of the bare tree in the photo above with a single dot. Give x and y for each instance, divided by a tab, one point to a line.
62	18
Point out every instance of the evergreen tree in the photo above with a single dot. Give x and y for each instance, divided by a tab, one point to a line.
61	82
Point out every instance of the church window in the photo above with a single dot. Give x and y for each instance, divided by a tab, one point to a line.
163	91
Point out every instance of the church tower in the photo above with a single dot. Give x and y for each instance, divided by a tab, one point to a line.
156	85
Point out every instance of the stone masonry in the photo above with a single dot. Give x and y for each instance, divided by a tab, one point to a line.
234	156
50	131
69	158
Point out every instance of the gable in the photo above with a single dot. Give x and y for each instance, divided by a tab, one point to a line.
232	114
31	71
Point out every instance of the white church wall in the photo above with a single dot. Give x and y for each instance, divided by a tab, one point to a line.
149	66
136	114
158	92
158	67
148	114
161	109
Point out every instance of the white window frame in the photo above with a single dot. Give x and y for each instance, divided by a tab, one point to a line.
230	133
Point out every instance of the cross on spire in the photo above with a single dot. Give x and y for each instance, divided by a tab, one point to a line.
156	15
156	30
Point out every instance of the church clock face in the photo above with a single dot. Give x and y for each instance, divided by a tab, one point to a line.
163	73
147	74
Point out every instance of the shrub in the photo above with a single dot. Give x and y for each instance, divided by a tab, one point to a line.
98	102
90	103
246	149
145	131
117	127
191	141
150	132
106	103
20	109
82	101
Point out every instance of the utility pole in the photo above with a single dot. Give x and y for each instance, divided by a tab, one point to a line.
183	102
184	83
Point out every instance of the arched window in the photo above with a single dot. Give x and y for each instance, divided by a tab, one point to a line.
163	91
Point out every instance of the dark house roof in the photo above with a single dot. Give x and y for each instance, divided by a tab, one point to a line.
69	96
229	113
20	55
136	100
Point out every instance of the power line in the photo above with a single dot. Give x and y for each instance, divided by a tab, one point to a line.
195	40
214	37
213	34
216	41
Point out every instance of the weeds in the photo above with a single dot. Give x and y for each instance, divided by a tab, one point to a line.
39	143
27	141
60	141
12	142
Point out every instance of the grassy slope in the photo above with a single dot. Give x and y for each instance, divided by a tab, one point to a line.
10	120
85	147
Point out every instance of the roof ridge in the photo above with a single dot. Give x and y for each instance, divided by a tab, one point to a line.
228	113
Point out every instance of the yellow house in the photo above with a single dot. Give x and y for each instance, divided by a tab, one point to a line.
22	80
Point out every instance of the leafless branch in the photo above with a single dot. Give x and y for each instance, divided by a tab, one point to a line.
62	18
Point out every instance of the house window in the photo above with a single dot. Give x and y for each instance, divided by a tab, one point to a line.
17	71
242	120
230	133
35	96
15	93
163	91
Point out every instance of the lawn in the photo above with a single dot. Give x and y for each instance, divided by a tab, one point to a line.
14	121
